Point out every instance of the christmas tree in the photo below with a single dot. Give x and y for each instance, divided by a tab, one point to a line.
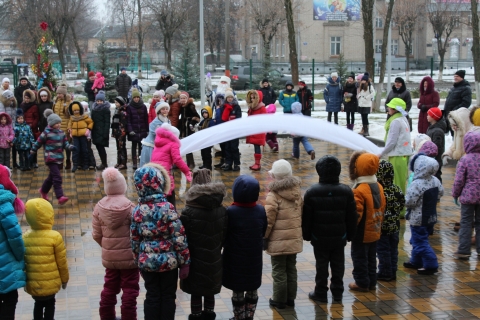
104	66
43	67
186	68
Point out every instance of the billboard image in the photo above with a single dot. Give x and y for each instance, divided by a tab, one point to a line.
336	10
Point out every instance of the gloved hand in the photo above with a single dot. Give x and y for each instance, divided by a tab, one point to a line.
64	286
73	148
455	200
87	132
184	270
424	108
445	159
265	244
189	176
132	133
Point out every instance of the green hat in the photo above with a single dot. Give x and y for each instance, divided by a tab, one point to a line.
398	104
135	93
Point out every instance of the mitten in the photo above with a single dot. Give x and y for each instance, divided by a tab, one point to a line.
132	133
87	132
265	244
455	200
424	108
184	270
445	159
64	286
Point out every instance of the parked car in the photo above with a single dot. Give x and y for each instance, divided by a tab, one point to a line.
6	67
241	78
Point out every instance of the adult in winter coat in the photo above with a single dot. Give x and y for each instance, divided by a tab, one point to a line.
459	96
256	106
24	85
365	96
305	97
269	95
333	95
123	83
205	222
8	103
399	90
165	81
350	101
284	232
189	117
287	97
242	252
44	102
60	108
429	98
88	88
137	124
459	122
100	114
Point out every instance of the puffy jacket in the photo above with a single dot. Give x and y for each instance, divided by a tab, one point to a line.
365	98
369	196
269	95
122	84
31	116
137	120
467	177
424	192
88	90
205	222
333	95
157	235
42	106
23	137
461	118
284	215
187	113
119	122
243	249
152	128
329	211
305	97
398	141
18	92
459	96
167	153
151	111
61	109
350	89
231	111
255	106
101	130
174	113
6	132
12	249
428	99
54	142
436	132
111	221
287	97
78	125
163	84
45	253
401	93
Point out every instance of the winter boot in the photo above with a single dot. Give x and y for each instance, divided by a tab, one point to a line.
256	166
238	310
362	131
190	161
350	126
208	315
68	165
250	307
134	160
271	144
365	132
220	164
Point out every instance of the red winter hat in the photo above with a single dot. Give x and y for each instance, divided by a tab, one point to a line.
8	184
91	74
435	113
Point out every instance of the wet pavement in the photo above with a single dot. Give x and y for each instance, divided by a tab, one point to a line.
453	293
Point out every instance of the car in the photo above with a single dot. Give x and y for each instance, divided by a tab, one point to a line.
241	78
6	67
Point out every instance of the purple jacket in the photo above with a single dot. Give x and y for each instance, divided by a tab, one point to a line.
467	178
137	121
6	132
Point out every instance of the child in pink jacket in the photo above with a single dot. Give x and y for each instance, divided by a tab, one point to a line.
167	153
99	83
111	230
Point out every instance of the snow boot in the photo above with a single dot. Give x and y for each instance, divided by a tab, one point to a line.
190	161
256	166
220	164
238	310
362	131
250	307
365	132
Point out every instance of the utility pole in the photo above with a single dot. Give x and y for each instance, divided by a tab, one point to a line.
202	58
227	38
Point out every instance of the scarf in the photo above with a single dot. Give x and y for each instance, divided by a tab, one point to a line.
389	122
77	118
245	204
162	118
364	179
26	106
137	105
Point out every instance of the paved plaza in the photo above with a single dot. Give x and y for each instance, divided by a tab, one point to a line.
453	293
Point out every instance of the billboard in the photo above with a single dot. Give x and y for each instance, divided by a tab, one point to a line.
336	10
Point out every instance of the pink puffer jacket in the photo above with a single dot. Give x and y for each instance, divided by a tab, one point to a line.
111	229
167	153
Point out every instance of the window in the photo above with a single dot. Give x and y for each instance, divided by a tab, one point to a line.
378	45
394	47
335	46
378	22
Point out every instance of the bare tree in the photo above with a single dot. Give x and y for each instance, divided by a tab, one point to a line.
476	47
125	12
291	40
214	25
367	17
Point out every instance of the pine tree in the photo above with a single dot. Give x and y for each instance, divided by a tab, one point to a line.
342	68
186	67
104	66
43	67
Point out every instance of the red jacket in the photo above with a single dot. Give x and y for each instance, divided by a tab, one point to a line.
151	111
256	106
428	98
31	117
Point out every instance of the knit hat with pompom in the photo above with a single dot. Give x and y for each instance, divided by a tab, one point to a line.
114	182
52	118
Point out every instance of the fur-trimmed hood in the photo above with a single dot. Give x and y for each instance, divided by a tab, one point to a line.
7	116
256	103
162	133
149	183
460	117
288	188
49	97
208	195
80	107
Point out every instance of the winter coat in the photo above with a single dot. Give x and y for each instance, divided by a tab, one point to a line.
157	235
54	141
12	249
243	249
111	230
7	135
333	95
167	153
89	91
174	112
123	82
163	84
152	128
369	197
428	99
284	215
151	111
31	116
256	107
467	177
78	125
61	109
460	117
352	104
401	93
459	96
231	111
187	112
287	97
101	117
205	123
42	106
394	197
45	253
305	97
269	95
24	139
329	210
205	222
424	192
119	122
18	92
137	120
398	141
364	100
9	108
436	132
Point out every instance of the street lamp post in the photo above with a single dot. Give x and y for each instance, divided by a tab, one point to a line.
202	58
389	53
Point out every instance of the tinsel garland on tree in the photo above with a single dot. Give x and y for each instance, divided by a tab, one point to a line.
43	66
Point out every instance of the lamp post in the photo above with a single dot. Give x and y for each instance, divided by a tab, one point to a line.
389	53
202	58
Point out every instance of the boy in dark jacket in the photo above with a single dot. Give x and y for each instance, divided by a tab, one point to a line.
387	246
205	222
305	97
436	132
329	220
231	111
243	249
269	95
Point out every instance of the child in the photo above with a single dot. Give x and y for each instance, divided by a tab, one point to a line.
370	202
418	142
162	109
459	121
54	141
79	128
256	106
387	246
272	136
99	83
231	111
283	237
287	97
91	157
427	148
242	251
436	132
297	110
205	222
157	97
7	135
45	257
100	114
158	242
217	119
465	189
119	132
60	108
23	141
137	124
12	275
167	153
421	201
111	230
188	118
329	220
206	122
31	116
365	96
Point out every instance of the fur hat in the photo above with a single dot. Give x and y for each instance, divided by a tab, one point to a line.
101	96
172	129
201	176
160	105
114	182
91	74
281	169
185	93
120	100
225	79
8	184
52	118
334	74
30	94
135	93
435	113
172	90
7	94
460	73
62	89
229	93
5	80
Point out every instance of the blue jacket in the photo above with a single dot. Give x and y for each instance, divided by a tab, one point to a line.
12	249
23	137
333	95
286	98
243	249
